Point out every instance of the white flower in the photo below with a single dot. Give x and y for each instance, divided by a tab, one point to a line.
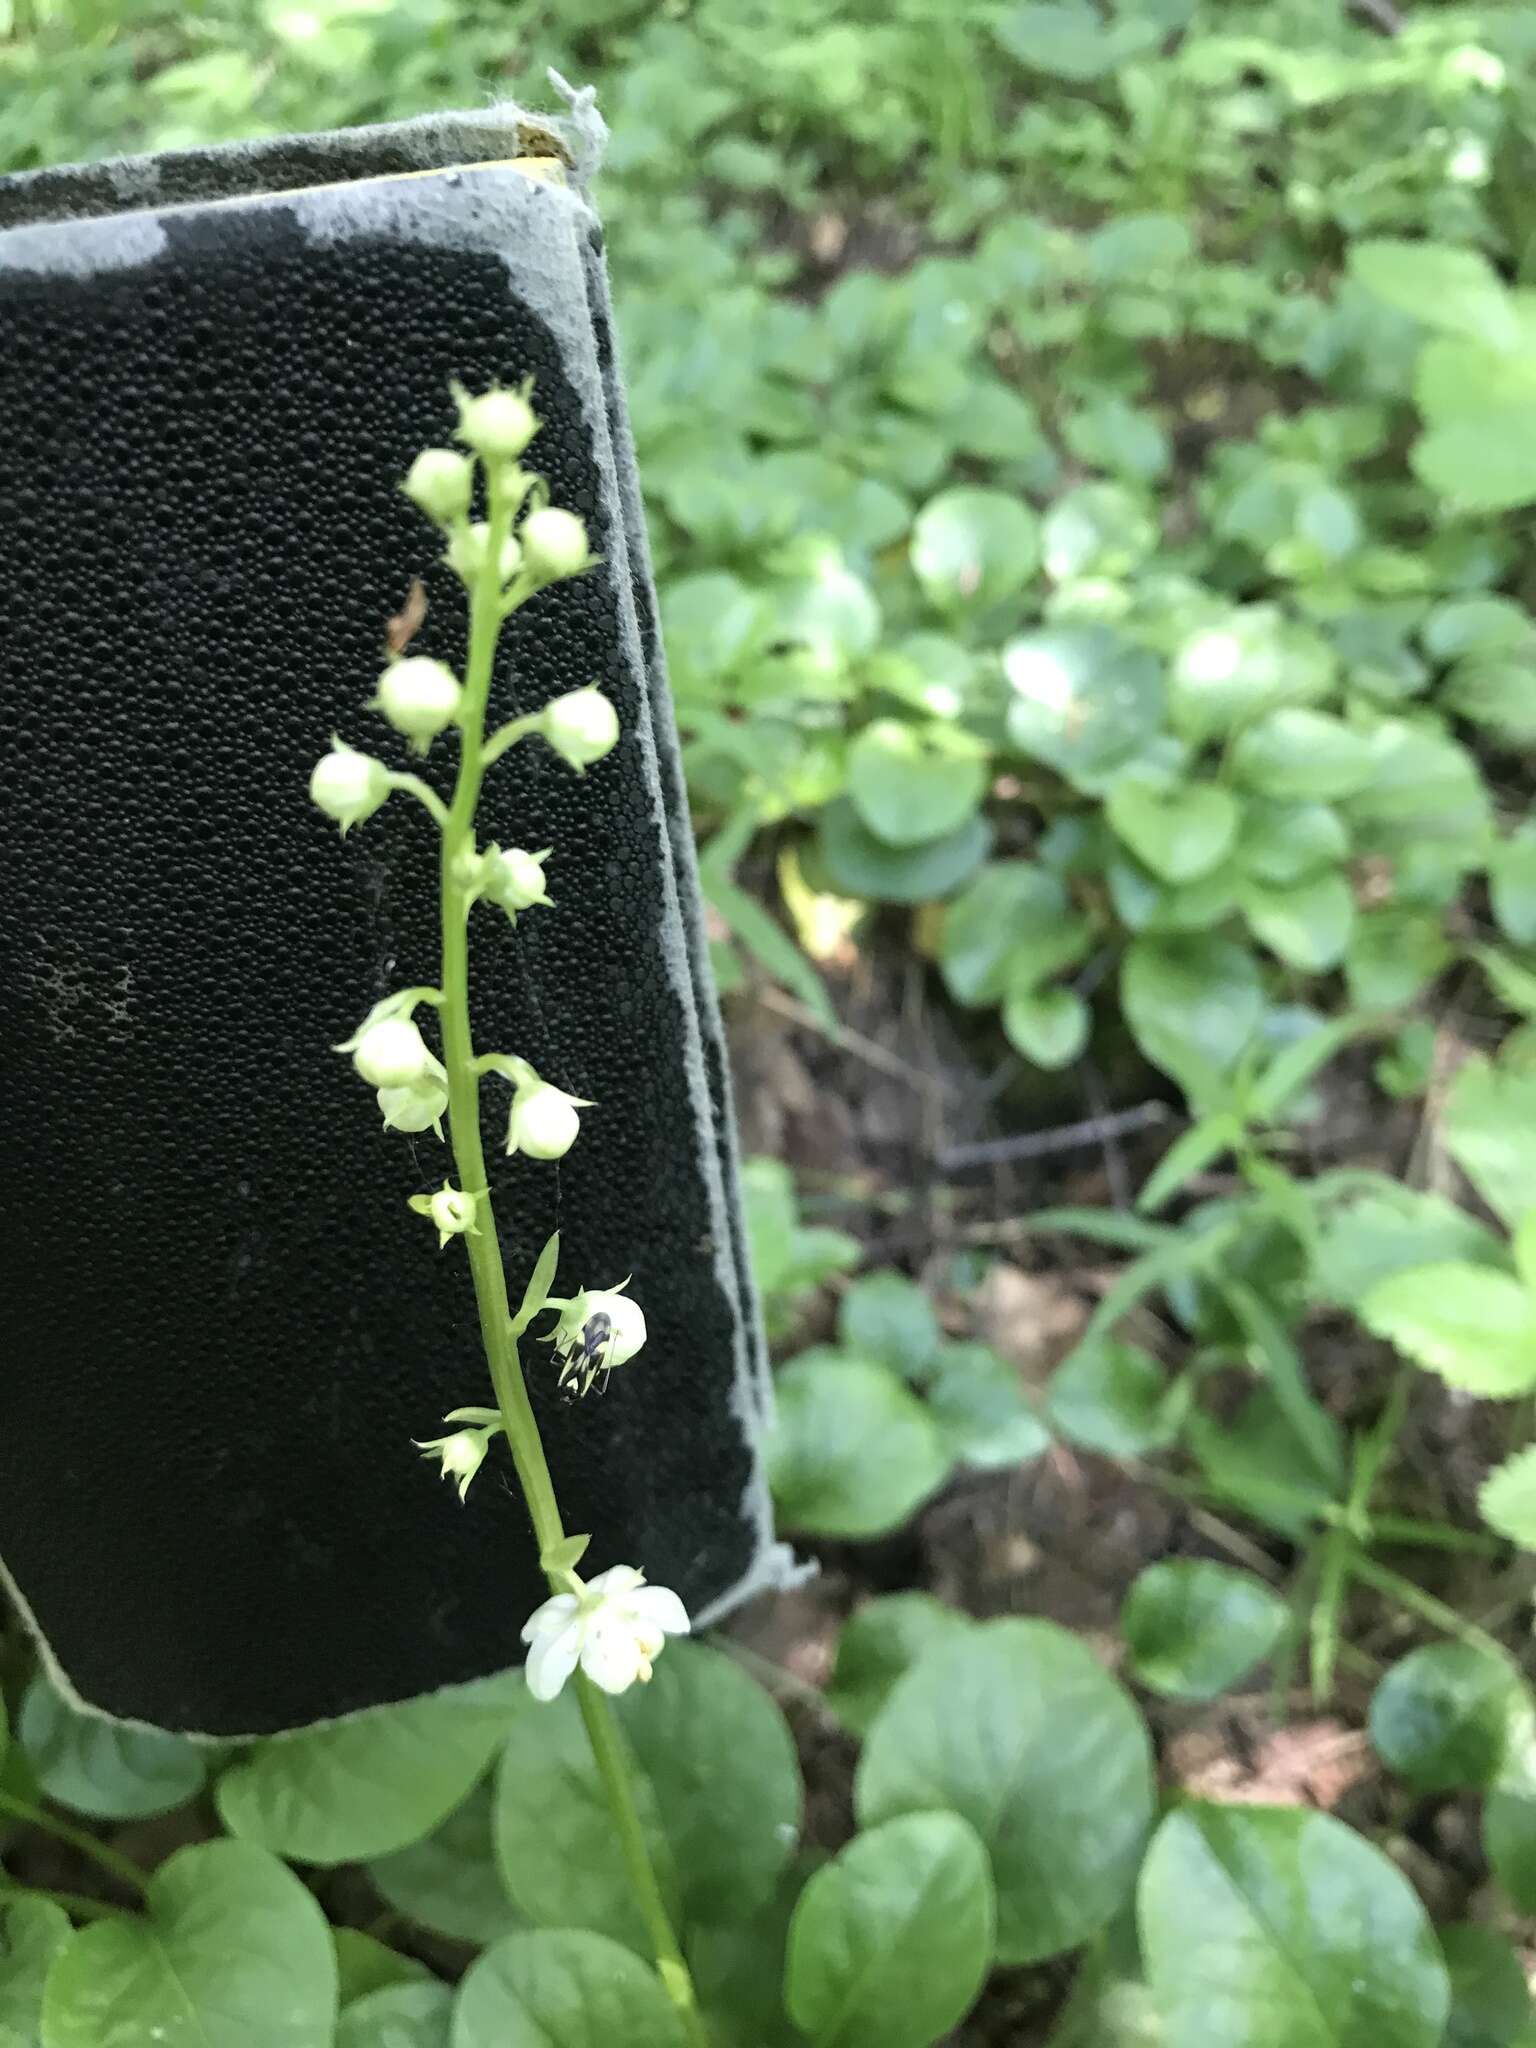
599	1330
462	1454
615	1628
419	697
581	726
554	544
499	424
543	1122
441	482
452	1209
417	1108
514	878
392	1054
348	786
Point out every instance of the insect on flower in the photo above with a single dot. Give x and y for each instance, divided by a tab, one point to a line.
599	1329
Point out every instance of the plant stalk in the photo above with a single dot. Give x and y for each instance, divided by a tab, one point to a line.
105	1857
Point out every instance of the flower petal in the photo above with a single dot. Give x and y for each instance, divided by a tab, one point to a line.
611	1657
619	1578
552	1659
554	1614
660	1607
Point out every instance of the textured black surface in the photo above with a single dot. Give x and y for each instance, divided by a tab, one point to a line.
223	1324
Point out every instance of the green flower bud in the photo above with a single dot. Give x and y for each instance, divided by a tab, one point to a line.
582	726
460	1455
441	483
498	425
554	544
514	879
452	1210
417	1108
466	552
392	1054
543	1122
348	786
419	697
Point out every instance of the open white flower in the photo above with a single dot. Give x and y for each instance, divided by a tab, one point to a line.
614	1628
460	1455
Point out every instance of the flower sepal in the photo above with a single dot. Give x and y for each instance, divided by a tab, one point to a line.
461	1454
452	1209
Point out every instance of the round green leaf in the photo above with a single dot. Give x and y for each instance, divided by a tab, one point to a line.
563	1989
103	1768
1192	1003
1393	953
972	546
1490	1127
1507	1501
1419	789
1274	1927
887	1317
1307	925
1474	1327
1017	1728
32	1933
1114	1398
912	784
233	1953
1512	885
722	1767
1047	1025
1083	701
399	2016
448	1881
1097	530
984	1416
1012	912
555	1843
858	864
1490	2000
1281	844
364	1786
1252	660
881	1640
1180	830
890	1941
1455	290
1440	1717
851	1452
1194	1628
1295	753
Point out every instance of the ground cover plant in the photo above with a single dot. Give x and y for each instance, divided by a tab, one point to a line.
1093	541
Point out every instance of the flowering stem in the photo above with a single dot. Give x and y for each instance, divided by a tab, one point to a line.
483	1247
612	1766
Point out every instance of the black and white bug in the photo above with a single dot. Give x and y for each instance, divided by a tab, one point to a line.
586	1358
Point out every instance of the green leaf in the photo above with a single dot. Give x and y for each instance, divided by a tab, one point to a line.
1512	885
1083	701
859	864
1392	955
364	1965
851	1452
1490	2000
104	1768
1507	1501
1114	1398
401	2016
1097	530
563	1989
769	944
448	1881
1509	1807
1019	1729
983	1413
1179	830
1296	753
973	546
887	1317
1252	660
1194	1628
1307	925
1192	1003
1420	790
1012	911
32	1933
1049	1025
1440	1716
722	1768
738	1976
890	1941
879	1642
361	1787
1474	1327
560	1861
1272	1927
1493	691
1284	843
540	1281
1388	1230
1455	290
910	784
1490	1128
1258	1462
233	1953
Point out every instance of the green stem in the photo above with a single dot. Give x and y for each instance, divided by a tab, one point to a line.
613	1769
80	1904
1434	1611
484	1247
99	1853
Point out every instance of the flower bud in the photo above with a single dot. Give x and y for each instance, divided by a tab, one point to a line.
417	1108
441	483
460	1455
466	552
348	786
498	425
419	696
581	726
554	544
599	1330
392	1054
543	1122
515	879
